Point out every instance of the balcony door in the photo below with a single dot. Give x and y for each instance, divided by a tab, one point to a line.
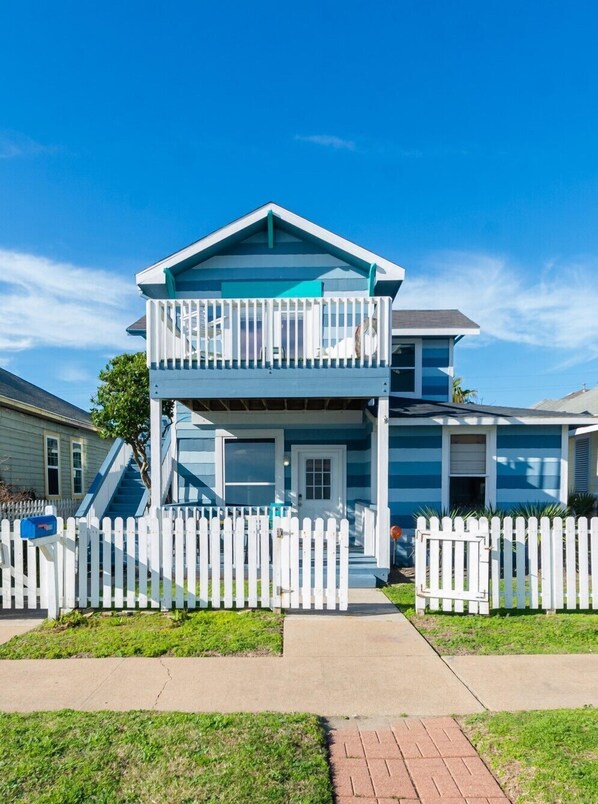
318	481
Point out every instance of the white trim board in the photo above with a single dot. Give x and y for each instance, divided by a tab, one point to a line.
221	435
288	418
484	421
430	332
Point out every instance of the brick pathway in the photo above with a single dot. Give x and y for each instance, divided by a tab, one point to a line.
411	761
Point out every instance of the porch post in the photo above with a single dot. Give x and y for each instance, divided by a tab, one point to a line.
382	519
155	455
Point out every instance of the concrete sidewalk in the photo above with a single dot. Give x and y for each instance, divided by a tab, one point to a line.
369	662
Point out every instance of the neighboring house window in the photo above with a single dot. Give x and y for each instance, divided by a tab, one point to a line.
404	367
77	467
52	466
582	464
468	470
249	471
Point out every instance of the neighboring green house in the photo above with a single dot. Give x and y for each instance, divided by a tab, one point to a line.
47	445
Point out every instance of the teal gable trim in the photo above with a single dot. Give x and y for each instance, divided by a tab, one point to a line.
372	279
271	290
170	283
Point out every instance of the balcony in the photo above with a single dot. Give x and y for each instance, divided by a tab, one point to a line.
285	340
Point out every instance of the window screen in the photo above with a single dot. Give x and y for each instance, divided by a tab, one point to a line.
249	471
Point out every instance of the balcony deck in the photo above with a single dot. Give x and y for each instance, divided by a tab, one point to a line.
295	345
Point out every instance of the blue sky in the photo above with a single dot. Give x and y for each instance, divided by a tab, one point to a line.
458	139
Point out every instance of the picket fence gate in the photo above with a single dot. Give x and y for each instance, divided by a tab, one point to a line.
182	563
545	564
19	510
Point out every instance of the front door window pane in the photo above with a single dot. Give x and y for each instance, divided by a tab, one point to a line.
317	479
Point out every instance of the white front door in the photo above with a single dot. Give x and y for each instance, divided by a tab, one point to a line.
319	481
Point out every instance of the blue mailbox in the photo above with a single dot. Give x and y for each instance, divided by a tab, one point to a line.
38	527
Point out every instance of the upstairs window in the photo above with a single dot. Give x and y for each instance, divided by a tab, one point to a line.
249	471
468	470
404	367
77	467
52	466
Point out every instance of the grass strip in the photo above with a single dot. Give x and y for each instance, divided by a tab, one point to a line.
540	757
504	631
181	633
75	757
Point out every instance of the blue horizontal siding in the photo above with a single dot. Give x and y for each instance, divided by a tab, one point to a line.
416	467
546	482
437	358
414	437
420	481
528	437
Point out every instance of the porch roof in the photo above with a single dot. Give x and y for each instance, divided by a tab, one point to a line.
433	322
405	410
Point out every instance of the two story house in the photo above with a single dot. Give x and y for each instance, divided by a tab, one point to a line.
300	382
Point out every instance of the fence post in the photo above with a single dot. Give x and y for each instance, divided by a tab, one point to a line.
420	565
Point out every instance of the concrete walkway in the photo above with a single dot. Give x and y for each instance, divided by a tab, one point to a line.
411	761
368	662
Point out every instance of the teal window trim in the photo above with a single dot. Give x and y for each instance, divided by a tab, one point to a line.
170	283
310	289
372	279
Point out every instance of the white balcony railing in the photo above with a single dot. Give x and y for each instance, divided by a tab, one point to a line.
227	333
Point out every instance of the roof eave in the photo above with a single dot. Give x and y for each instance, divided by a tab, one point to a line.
385	269
33	410
448	331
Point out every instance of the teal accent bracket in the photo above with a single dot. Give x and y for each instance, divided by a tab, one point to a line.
372	279
170	284
270	229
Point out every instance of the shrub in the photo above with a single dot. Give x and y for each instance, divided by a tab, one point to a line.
582	503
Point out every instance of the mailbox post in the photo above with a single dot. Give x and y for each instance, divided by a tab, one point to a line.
43	532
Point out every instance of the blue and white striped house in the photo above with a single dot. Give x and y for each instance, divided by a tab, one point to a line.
297	383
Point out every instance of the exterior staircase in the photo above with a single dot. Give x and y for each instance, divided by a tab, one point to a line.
128	494
363	572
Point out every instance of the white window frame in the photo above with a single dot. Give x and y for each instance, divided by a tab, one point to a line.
277	436
417	342
490	433
81	442
56	437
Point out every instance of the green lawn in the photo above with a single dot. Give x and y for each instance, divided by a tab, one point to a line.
541	757
75	757
197	633
503	631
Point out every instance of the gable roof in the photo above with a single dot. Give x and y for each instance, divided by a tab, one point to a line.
18	393
247	225
421	411
582	401
425	322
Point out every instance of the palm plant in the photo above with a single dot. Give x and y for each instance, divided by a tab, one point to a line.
463	395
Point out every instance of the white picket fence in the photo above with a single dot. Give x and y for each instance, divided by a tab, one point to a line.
26	574
183	563
19	510
522	564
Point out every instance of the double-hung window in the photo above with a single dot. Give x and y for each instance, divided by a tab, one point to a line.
468	472
405	370
52	466
77	467
249	471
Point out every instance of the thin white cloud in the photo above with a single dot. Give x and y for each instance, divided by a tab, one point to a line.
50	303
14	145
72	372
328	141
553	307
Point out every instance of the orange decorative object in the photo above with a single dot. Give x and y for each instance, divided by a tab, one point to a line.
395	532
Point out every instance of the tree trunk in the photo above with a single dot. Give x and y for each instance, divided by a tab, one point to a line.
140	457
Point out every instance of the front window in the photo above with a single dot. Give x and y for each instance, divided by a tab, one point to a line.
249	471
77	467
468	471
403	368
52	466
